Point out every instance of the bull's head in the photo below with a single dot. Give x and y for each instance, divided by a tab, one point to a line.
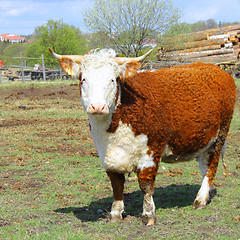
99	73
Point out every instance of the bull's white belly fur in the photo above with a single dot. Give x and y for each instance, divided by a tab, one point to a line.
121	151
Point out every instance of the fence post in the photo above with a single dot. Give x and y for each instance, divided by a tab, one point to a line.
21	62
43	67
60	70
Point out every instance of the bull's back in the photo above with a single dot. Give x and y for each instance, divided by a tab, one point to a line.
180	106
195	91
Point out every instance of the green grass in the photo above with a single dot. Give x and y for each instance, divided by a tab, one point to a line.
17	84
52	186
237	82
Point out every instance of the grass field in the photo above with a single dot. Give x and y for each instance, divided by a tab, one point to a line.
53	186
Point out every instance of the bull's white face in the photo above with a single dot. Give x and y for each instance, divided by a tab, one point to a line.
99	89
99	73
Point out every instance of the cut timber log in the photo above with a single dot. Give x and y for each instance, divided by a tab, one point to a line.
213	32
198	36
221	36
190	37
236	47
200	54
233	39
234	33
228	45
213	45
195	44
215	58
223	30
199	49
232	28
210	59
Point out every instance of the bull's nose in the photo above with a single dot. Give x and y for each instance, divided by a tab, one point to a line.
98	108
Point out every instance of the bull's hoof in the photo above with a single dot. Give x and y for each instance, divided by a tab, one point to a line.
149	221
198	205
114	219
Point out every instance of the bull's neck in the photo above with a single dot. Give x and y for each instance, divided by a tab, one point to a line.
100	121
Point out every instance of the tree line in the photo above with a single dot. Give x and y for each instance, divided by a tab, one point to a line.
125	25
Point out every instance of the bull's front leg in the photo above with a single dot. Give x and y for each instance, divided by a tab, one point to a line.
117	181
146	179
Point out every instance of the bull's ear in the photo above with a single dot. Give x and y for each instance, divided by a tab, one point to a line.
69	64
70	67
128	69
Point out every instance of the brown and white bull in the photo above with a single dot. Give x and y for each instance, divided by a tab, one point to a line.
139	119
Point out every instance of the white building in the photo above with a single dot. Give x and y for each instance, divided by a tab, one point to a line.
12	38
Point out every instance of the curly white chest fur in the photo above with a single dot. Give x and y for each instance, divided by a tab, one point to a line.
121	151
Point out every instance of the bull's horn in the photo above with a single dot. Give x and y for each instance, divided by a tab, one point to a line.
57	56
121	60
76	58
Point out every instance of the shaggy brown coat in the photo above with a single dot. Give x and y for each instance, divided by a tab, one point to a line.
183	107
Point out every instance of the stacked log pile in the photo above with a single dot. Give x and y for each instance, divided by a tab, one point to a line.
213	46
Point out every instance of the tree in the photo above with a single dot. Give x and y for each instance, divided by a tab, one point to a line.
204	25
177	29
211	23
129	23
199	26
11	52
176	35
61	37
98	40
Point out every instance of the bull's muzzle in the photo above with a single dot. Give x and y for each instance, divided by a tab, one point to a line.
98	108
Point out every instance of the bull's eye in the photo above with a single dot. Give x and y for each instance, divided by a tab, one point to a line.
112	81
83	80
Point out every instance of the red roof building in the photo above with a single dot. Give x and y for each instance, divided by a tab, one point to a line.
12	38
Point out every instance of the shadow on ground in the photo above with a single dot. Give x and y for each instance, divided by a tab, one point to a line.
170	197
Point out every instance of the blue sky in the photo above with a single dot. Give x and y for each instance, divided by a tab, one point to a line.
22	16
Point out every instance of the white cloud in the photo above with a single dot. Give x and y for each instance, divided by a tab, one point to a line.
15	8
22	16
204	14
29	14
219	10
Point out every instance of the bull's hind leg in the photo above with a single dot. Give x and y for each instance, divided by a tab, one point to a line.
146	179
117	181
208	163
203	193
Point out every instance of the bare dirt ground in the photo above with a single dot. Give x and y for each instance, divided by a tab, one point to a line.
43	98
42	123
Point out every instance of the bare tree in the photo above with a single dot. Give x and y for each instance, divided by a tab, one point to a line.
211	23
130	23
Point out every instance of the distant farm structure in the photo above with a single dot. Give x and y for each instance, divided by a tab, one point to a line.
12	38
220	46
26	73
